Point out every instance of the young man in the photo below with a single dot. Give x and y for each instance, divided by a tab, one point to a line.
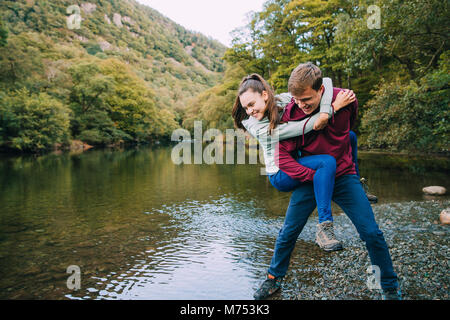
348	193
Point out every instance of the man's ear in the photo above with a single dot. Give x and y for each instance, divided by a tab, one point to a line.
322	89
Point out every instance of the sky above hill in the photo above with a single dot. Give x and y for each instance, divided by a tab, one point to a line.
214	18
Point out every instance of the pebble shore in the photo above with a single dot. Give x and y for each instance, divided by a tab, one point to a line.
418	244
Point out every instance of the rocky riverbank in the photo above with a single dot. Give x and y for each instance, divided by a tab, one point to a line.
418	244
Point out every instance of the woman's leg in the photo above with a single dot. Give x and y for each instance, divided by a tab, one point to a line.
323	185
282	182
325	166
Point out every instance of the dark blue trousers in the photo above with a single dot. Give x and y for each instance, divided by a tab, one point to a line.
354	144
349	195
323	182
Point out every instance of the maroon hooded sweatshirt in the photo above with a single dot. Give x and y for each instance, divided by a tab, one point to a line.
334	140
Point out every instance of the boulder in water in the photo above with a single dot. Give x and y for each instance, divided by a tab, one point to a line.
434	190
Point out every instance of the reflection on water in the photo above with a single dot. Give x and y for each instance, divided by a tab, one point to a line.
205	247
141	227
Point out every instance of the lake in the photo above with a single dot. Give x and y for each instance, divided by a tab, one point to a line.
140	227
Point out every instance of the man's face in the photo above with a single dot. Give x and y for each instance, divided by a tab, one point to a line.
309	100
254	103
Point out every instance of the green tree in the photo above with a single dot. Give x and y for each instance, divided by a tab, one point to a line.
20	62
391	69
32	122
3	35
132	106
90	86
412	36
214	106
414	116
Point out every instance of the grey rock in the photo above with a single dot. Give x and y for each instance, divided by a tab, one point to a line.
434	190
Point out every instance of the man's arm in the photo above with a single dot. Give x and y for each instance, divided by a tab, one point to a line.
292	129
288	165
346	118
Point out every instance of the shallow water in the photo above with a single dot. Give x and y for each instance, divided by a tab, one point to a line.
141	227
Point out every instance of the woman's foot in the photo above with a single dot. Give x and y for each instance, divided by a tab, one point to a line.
325	237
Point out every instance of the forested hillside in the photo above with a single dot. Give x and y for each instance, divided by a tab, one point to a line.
395	57
113	71
103	71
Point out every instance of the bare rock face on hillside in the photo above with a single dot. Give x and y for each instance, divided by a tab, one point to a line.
88	7
105	45
128	20
117	19
81	38
107	19
189	49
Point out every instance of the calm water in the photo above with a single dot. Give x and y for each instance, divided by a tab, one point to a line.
140	227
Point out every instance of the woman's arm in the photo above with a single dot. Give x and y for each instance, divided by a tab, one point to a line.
327	97
297	128
259	129
325	103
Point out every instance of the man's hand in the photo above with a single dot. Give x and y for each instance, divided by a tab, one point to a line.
343	98
321	122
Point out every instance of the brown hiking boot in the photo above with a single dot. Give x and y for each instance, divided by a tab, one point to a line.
371	197
325	237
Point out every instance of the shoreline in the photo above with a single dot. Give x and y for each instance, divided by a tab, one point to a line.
78	146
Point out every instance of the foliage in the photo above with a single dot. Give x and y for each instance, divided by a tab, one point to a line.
122	82
33	122
3	35
213	106
413	117
401	87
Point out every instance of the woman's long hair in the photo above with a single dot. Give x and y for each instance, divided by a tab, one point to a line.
256	83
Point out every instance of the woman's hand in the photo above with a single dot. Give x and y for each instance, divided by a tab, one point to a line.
321	122
343	99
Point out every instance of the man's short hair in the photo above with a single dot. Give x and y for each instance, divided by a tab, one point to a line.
304	76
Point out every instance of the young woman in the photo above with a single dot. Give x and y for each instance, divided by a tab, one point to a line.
258	111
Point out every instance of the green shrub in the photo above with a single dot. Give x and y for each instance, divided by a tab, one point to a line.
32	122
413	116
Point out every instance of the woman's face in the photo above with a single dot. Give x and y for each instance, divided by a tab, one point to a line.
254	103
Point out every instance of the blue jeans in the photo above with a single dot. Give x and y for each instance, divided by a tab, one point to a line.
323	181
349	195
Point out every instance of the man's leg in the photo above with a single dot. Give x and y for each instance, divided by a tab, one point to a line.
301	205
350	196
354	143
